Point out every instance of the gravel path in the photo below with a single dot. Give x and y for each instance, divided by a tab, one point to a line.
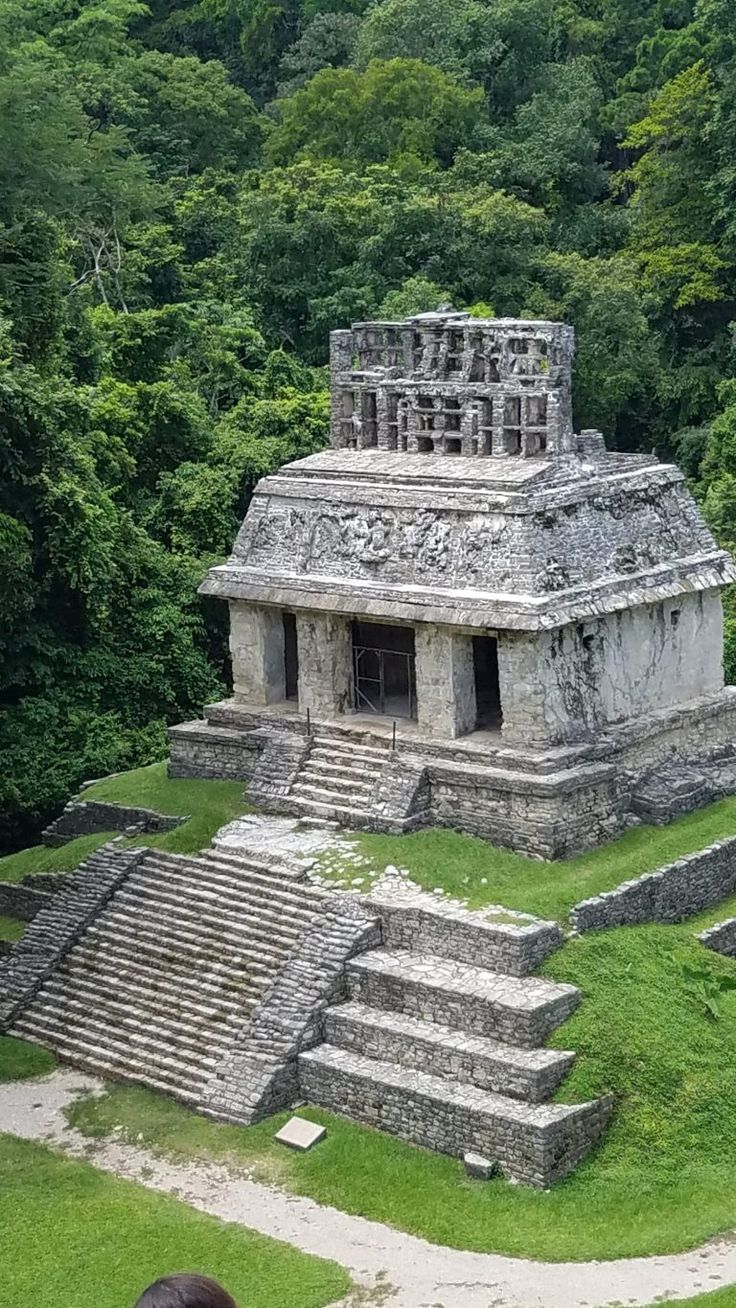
400	1271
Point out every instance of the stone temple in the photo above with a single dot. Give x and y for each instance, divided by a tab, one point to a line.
466	614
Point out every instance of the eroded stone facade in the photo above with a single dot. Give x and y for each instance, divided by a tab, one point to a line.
529	623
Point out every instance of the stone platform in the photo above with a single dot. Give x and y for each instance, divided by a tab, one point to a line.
548	802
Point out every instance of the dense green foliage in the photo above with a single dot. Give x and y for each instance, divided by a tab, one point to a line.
111	1238
192	192
661	1180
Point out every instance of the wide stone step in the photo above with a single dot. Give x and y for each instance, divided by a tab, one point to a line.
327	765
180	1029
349	747
255	937
150	991
249	903
115	1065
268	871
515	1010
532	1143
341	813
340	782
168	1052
164	945
218	882
330	794
171	973
529	1074
517	948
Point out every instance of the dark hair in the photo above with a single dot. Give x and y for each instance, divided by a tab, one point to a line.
185	1290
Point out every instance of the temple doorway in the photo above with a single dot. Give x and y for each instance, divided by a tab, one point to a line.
488	714
383	670
291	657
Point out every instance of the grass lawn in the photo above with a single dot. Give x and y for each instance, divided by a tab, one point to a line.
20	1061
210	803
40	858
458	863
11	928
663	1179
77	1238
725	1298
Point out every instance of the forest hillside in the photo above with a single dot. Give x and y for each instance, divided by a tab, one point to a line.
193	194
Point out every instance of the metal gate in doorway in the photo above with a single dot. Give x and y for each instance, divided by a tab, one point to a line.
383	681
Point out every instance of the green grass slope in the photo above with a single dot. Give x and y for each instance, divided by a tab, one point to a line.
208	804
662	1180
471	869
76	1238
20	1061
11	928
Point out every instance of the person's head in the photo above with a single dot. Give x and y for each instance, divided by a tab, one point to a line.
185	1290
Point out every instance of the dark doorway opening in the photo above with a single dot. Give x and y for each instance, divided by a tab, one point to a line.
291	657
383	670
488	716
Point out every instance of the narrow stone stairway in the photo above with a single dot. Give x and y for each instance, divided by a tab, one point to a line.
450	1055
338	780
157	985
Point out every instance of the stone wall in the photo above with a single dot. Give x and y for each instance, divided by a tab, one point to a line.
84	817
721	937
448	932
568	684
670	894
199	749
259	1074
528	1150
23	901
549	817
60	924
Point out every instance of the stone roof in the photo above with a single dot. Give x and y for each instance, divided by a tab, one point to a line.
510	543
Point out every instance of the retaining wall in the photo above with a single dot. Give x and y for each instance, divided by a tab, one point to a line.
670	894
85	817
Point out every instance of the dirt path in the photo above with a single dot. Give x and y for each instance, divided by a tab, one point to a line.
400	1270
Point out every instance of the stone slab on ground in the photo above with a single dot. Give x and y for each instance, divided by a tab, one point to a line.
300	1134
479	1168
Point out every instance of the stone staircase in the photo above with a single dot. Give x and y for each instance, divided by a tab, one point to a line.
450	1055
337	781
167	973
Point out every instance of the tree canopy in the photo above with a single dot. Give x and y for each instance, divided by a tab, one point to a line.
193	194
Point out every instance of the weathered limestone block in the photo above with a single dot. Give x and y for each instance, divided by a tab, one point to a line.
445	681
325	658
257	649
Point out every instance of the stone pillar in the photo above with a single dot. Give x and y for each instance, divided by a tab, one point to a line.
325	656
445	680
257	649
341	362
521	689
